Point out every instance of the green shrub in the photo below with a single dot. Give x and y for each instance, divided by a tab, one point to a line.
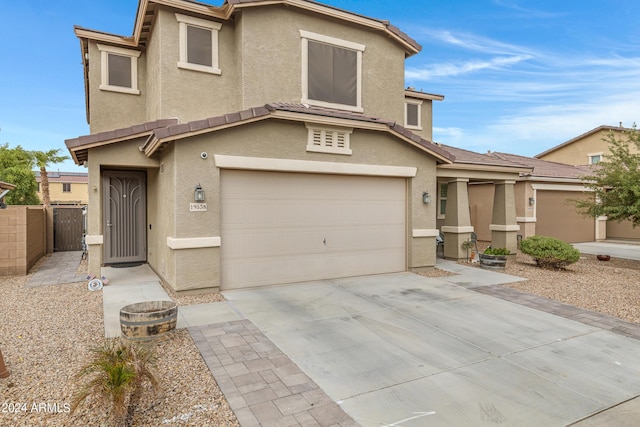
496	251
117	374
549	252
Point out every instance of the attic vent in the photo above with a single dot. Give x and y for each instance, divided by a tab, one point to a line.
329	140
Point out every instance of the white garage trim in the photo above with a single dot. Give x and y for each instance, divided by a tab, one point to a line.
557	187
427	232
308	166
193	242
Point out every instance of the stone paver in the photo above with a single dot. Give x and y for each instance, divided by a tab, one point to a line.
59	268
262	385
588	317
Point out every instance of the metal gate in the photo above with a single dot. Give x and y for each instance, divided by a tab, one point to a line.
68	228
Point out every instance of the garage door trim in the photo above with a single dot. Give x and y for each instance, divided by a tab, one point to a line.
310	166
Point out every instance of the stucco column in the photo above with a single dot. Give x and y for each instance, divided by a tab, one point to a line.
457	221
504	228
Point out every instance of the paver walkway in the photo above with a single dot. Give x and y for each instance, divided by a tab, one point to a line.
59	268
262	385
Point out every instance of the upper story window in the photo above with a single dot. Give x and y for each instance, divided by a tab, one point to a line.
119	69
66	187
412	114
594	159
331	72
198	44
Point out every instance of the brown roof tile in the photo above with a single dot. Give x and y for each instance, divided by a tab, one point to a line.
172	129
474	158
544	168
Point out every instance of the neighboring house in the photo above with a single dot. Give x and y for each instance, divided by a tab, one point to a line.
544	201
66	188
586	149
265	142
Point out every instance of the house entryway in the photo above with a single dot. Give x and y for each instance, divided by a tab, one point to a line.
290	227
124	216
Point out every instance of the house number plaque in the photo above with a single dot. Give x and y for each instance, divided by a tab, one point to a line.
197	207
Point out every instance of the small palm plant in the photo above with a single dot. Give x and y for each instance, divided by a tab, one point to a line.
116	375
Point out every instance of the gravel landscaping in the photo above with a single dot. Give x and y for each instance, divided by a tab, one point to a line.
46	333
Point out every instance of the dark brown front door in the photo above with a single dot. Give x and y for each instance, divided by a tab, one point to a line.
124	216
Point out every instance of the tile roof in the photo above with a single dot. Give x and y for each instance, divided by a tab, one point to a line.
161	132
57	176
115	135
6	186
544	168
473	158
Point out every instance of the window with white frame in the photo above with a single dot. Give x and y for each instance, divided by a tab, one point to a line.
595	158
198	44
442	199
331	72
119	69
412	114
329	139
66	187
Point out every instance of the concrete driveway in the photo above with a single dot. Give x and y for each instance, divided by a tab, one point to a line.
405	350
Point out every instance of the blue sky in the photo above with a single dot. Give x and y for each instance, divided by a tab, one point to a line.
518	76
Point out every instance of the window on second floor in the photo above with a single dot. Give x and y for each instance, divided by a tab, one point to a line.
119	69
198	44
412	113
594	159
331	72
66	187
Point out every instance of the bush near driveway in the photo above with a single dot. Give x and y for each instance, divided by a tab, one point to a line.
549	252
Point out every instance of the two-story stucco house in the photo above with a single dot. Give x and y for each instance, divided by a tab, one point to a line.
264	142
65	188
590	148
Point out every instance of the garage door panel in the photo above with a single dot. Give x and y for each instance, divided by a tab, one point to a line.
280	227
556	216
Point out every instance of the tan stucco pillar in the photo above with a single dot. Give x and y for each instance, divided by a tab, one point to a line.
504	228
601	228
457	221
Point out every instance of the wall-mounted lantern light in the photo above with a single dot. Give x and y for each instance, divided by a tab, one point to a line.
532	201
426	198
198	194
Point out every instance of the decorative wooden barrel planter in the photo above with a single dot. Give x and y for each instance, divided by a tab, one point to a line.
148	320
493	262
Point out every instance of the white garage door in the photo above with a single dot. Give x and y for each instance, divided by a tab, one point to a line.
291	227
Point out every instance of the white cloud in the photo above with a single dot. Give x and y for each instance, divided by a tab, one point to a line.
446	70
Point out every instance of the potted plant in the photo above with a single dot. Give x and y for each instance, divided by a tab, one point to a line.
494	258
468	244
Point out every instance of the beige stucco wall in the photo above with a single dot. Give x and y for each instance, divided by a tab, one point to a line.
577	153
481	208
270	33
112	110
78	193
260	57
274	139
